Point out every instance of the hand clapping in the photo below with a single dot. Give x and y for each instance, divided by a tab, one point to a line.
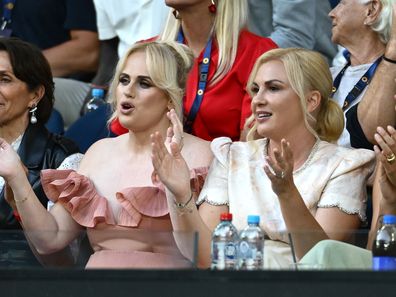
280	169
10	163
169	164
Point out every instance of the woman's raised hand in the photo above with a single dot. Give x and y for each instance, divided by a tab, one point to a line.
175	132
169	164
386	151
280	170
10	163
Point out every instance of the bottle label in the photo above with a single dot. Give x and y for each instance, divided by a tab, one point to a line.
384	263
230	251
250	255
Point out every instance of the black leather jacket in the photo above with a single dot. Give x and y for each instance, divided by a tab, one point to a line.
39	150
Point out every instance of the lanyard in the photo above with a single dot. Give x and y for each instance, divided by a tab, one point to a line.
203	77
8	6
359	86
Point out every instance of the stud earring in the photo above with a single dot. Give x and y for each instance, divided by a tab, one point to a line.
33	118
212	7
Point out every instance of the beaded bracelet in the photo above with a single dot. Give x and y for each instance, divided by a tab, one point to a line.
183	208
388	60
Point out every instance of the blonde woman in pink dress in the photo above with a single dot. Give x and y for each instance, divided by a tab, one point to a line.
115	194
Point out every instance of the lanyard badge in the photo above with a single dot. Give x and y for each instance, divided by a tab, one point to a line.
203	77
5	28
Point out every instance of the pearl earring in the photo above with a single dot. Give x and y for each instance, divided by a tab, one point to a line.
33	118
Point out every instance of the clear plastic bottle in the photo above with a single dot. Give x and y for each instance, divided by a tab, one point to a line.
384	246
224	249
251	245
96	100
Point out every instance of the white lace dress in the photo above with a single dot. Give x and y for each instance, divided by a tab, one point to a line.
332	176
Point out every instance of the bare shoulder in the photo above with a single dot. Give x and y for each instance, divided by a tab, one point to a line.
98	152
196	151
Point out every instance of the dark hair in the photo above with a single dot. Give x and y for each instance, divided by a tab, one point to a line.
30	66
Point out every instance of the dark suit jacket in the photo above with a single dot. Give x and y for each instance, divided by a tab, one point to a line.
39	150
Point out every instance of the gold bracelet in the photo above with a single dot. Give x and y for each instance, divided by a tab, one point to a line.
23	199
183	208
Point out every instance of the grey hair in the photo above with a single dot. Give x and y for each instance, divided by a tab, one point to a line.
383	24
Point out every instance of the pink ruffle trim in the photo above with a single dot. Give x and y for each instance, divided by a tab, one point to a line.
78	195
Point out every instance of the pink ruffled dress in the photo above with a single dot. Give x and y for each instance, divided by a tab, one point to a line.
139	236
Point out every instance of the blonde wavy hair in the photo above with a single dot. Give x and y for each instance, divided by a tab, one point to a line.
230	19
306	71
168	64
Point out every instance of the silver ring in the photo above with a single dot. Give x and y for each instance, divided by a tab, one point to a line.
281	174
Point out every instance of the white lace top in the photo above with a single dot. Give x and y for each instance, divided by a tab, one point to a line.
71	162
332	176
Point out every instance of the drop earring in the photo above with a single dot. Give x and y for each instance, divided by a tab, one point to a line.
212	7
33	118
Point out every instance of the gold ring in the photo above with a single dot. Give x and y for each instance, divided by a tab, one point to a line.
391	158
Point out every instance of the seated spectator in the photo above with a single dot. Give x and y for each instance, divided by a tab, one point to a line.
147	96
331	254
65	30
364	86
302	23
291	174
25	106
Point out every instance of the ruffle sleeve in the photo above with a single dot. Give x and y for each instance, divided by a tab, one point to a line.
346	188
78	195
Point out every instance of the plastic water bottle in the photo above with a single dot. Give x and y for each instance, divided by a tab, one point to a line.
224	249
384	247
96	100
251	245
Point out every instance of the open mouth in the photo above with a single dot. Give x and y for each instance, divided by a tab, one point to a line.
125	106
262	115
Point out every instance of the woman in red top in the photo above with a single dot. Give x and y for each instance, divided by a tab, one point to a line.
215	30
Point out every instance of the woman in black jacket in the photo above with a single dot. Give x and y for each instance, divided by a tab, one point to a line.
26	102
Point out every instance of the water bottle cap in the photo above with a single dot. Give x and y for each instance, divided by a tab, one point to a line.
97	93
253	219
389	219
226	216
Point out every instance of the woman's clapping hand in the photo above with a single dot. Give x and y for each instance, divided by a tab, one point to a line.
10	163
280	169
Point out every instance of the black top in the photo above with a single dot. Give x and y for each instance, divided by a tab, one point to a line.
39	150
357	137
47	23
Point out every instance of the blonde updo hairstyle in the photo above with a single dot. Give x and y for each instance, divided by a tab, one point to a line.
306	71
168	64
